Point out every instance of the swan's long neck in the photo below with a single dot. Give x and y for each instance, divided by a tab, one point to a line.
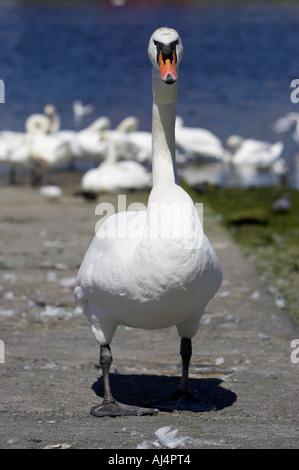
111	156
163	130
53	123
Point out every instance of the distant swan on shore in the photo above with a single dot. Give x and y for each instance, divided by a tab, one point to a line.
46	123
197	143
16	147
252	152
115	176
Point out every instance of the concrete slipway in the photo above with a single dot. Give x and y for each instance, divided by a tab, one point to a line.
241	355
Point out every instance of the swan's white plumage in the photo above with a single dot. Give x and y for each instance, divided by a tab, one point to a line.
253	152
50	150
146	280
139	144
130	141
46	123
113	175
197	143
123	176
129	124
15	149
165	271
88	143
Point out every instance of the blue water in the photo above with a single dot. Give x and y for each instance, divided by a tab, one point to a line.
239	61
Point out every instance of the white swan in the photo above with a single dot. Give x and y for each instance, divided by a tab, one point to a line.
54	149
197	143
139	144
113	175
46	123
129	124
54	119
252	152
15	152
37	124
49	147
100	124
132	143
88	143
155	268
16	147
50	151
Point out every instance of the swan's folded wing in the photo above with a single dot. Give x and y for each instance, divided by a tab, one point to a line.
109	250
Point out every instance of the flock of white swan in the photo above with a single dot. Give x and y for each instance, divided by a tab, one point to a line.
123	155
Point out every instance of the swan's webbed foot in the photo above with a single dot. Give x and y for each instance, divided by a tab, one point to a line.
109	406
119	409
183	401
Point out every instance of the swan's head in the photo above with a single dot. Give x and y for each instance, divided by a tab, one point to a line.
49	110
233	143
165	51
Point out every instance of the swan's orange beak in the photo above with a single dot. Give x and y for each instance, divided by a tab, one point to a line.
167	68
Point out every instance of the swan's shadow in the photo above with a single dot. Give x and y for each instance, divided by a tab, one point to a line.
142	389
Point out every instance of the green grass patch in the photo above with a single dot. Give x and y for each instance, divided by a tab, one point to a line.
270	240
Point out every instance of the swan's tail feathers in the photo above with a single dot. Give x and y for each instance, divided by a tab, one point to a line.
81	300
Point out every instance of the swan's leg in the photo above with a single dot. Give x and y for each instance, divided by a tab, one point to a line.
187	401
109	406
72	165
186	353
12	175
105	363
36	177
182	399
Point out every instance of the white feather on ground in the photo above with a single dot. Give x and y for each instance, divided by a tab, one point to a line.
168	438
51	191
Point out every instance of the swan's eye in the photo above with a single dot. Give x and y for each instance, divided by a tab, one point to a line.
167	50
